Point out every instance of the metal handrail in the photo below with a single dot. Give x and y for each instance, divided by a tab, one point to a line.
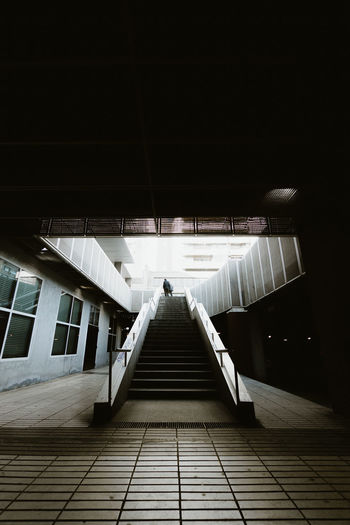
217	345
131	340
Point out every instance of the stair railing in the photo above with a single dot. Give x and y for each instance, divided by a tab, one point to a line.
228	366
114	391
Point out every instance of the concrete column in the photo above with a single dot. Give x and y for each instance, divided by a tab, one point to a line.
257	347
323	247
245	336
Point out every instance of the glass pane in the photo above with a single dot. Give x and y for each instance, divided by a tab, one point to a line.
59	342
65	306
18	336
28	292
112	325
76	314
3	324
73	340
8	274
112	342
94	315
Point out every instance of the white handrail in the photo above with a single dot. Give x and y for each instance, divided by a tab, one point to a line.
233	380
132	344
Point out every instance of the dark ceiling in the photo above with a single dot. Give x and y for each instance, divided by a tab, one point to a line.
172	109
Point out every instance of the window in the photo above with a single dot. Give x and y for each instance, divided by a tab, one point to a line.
19	296
94	315
112	333
67	327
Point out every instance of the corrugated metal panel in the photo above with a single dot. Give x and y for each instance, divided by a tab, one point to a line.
86	264
95	261
66	245
77	253
250	277
257	271
265	264
235	299
221	291
226	288
276	261
243	281
290	257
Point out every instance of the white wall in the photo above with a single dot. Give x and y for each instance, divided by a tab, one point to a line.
40	365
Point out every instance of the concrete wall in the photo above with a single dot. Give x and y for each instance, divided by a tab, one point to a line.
39	365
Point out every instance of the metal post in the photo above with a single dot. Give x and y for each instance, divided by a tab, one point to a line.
110	379
236	383
125	358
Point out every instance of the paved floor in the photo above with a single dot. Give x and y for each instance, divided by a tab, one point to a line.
68	402
294	468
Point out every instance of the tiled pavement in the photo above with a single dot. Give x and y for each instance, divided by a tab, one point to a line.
56	471
172	476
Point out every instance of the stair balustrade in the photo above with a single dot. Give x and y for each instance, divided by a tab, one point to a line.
235	386
115	389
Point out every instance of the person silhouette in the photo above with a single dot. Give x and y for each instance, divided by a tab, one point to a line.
167	287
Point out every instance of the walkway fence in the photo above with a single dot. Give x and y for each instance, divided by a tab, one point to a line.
271	263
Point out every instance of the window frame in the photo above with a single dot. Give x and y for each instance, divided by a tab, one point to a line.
12	311
95	311
68	324
112	336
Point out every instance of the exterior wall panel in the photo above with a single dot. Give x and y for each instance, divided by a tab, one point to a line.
260	272
257	271
265	265
233	276
276	259
250	277
289	257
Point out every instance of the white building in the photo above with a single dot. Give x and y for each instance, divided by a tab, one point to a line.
185	261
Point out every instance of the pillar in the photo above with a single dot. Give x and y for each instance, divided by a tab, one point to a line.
245	336
323	246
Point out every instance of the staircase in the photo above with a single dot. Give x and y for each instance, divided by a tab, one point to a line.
173	362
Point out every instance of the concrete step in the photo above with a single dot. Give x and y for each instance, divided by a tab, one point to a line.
184	359
170	365
172	393
173	374
172	383
176	352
